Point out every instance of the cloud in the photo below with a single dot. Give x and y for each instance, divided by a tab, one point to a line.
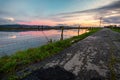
6	21
38	22
110	14
10	19
115	5
113	20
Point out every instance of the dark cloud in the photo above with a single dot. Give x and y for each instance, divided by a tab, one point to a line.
108	10
113	6
115	19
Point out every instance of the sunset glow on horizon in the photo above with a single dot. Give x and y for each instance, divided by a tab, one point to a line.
55	12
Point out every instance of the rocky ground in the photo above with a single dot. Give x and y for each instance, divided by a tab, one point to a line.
97	57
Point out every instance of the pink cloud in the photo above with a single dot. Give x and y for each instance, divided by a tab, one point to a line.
39	22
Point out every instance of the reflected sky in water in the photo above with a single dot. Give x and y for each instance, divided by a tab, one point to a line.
10	42
13	37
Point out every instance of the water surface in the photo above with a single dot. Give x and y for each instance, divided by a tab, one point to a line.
10	42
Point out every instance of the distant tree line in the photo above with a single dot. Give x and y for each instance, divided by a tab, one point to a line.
112	26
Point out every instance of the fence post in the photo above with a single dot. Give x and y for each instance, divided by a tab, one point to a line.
42	27
78	30
38	27
62	28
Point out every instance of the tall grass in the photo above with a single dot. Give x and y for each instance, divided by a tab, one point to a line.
21	59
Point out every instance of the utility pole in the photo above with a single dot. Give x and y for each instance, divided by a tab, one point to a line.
100	22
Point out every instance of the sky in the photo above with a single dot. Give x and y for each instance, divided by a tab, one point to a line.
60	12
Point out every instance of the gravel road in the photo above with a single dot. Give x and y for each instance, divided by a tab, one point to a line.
97	57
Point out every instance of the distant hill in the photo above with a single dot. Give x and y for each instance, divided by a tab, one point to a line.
18	26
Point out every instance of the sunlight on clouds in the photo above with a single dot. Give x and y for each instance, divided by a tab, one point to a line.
83	19
109	13
84	23
13	37
83	12
38	22
10	19
112	15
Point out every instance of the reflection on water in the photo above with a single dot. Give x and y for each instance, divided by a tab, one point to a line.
10	42
13	37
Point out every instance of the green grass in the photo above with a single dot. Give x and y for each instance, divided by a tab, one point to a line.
111	66
21	59
114	60
115	29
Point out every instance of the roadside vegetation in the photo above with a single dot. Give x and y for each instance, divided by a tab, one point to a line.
117	29
113	60
21	59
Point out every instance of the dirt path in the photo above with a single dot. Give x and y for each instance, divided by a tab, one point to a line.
97	57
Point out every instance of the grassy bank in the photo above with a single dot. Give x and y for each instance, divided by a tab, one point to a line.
21	59
113	60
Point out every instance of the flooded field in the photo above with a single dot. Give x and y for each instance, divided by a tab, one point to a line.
13	41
